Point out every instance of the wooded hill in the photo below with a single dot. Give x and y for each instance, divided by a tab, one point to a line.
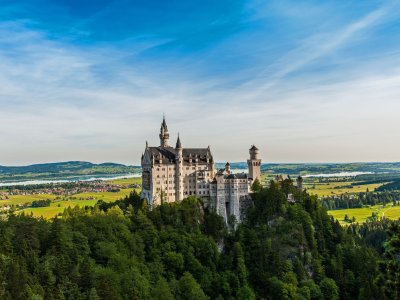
122	250
63	170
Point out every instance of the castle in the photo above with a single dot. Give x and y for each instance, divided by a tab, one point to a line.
173	173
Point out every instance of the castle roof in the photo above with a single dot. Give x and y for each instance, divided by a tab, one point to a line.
168	155
253	148
164	124
178	143
237	176
221	172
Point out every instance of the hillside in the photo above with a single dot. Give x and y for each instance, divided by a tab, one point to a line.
182	251
316	168
61	170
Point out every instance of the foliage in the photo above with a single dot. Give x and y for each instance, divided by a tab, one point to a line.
41	203
122	250
360	200
389	269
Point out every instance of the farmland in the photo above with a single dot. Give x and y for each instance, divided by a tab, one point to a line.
361	214
20	203
339	188
83	199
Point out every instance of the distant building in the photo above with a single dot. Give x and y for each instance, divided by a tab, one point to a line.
300	182
173	173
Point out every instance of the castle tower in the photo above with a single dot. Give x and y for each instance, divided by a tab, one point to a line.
228	168
164	134
300	183
254	163
179	170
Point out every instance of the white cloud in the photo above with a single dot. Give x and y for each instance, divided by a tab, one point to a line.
57	105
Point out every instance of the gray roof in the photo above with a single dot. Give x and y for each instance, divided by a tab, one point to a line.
237	176
168	154
232	175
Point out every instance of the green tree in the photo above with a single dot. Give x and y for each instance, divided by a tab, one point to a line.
161	290
389	268
256	186
189	289
329	289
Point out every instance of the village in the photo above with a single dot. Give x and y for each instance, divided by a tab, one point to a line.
13	198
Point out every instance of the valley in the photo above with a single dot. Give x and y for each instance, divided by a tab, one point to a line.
328	182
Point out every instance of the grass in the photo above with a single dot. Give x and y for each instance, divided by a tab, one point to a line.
57	207
23	199
106	196
339	188
126	181
361	214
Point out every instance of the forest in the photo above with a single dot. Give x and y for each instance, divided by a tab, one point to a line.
359	200
124	250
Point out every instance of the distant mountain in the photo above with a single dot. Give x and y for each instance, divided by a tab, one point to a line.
316	168
63	170
73	169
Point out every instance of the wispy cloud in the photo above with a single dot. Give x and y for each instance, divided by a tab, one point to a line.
320	44
305	97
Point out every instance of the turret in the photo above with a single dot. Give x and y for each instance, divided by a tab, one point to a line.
300	181
254	163
253	152
179	170
178	143
228	168
164	134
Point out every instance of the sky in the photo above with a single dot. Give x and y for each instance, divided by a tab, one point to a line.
305	81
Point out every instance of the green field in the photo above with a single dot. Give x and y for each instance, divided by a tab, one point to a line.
23	199
361	214
57	207
338	188
90	199
59	203
126	181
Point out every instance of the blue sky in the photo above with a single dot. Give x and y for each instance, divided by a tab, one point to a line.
306	81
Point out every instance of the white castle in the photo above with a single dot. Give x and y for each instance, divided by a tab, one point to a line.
171	174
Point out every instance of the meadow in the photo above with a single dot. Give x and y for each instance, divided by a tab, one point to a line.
126	181
361	214
58	203
313	187
339	188
24	199
82	199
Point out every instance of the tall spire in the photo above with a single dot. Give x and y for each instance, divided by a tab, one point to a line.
178	143
164	124
164	135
